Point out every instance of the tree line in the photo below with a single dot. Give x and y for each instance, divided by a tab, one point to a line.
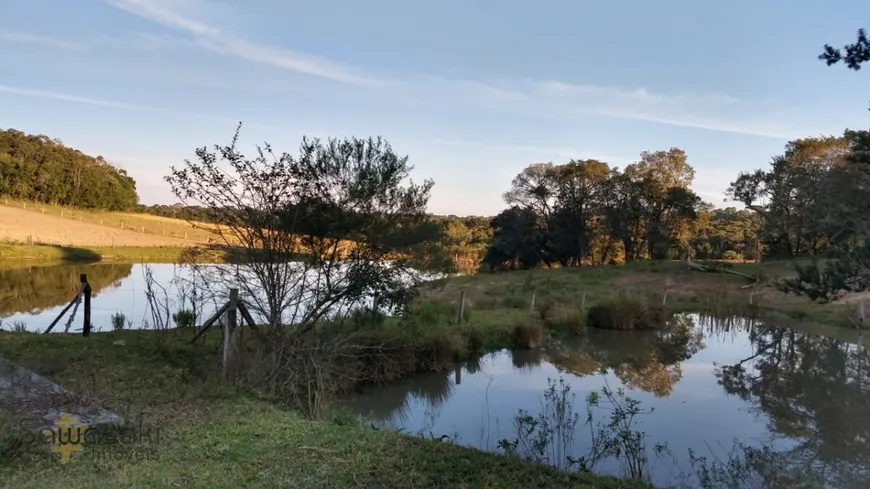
41	169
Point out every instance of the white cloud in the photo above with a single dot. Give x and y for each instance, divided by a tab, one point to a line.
27	92
545	153
523	97
23	38
212	38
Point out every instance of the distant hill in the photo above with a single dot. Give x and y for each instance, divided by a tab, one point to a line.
37	168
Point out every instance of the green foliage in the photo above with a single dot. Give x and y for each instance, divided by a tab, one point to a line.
570	320
184	318
626	312
119	320
516	302
41	169
855	55
580	212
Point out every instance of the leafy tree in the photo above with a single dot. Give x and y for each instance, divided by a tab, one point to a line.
316	232
517	240
580	196
41	169
799	197
855	54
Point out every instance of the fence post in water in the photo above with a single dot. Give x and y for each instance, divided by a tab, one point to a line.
458	374
86	324
229	329
460	307
532	306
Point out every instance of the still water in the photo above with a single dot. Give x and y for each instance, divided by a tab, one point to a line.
34	295
803	395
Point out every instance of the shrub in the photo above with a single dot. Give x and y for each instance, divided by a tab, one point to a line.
432	312
184	318
626	313
366	317
572	320
545	308
118	321
527	335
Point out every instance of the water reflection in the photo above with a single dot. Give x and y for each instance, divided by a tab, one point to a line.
814	390
801	396
33	289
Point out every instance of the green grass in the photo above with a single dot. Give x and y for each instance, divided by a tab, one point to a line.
211	435
687	291
111	254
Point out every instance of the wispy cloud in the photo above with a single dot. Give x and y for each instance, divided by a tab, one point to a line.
213	39
544	153
714	111
28	92
24	38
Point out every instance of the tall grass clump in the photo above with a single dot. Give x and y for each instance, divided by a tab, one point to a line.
433	312
627	312
570	320
526	334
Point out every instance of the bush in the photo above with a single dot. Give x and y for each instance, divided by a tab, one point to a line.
184	319
571	320
527	335
626	313
545	308
118	321
366	317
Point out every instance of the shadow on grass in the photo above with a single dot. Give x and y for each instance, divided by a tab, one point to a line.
71	254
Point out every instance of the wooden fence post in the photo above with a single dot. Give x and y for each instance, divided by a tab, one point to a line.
458	379
862	310
229	329
532	305
583	301
665	298
460	307
751	296
86	324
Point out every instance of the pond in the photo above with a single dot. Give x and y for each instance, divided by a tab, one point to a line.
705	384
34	295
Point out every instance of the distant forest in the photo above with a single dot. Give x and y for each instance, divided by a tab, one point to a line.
41	169
577	213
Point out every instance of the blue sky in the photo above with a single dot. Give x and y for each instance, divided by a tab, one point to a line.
472	90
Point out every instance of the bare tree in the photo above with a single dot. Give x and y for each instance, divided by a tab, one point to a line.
310	235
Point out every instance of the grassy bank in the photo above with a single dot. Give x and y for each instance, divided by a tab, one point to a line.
111	254
559	293
214	436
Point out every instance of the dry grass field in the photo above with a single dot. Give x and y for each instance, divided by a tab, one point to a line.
90	228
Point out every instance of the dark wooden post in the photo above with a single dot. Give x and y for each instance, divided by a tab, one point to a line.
86	325
229	329
460	307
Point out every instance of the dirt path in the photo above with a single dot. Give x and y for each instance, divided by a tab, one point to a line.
20	226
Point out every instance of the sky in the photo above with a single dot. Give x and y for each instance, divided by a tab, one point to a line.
472	91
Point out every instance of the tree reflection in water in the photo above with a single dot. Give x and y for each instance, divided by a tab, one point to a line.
813	389
32	289
643	360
